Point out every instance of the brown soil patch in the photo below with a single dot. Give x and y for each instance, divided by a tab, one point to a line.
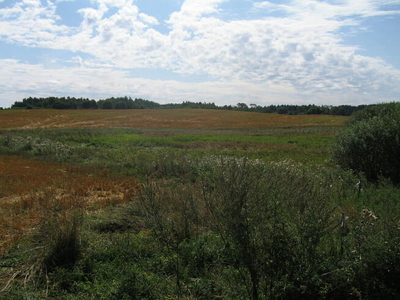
31	191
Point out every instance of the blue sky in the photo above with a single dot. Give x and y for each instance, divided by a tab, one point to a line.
325	52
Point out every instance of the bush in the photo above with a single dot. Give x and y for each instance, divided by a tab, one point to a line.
265	224
371	143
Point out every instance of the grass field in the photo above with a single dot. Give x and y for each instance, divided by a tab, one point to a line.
188	204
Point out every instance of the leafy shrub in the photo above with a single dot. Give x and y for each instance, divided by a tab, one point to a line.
270	224
371	143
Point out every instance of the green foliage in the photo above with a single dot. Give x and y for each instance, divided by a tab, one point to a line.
371	143
274	230
209	226
120	105
107	105
231	228
383	110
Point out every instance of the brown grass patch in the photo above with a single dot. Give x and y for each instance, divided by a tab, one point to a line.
31	191
157	118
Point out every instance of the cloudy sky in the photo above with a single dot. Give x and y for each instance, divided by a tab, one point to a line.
223	51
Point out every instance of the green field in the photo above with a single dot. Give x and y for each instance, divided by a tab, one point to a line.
193	204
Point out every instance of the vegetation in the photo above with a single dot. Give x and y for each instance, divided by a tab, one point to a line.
129	103
371	144
191	212
84	103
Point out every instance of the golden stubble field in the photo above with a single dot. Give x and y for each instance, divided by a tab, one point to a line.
157	118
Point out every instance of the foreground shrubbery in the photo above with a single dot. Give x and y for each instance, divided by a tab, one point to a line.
227	228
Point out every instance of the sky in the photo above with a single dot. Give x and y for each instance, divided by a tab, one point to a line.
323	52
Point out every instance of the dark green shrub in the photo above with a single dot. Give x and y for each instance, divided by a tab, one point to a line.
371	143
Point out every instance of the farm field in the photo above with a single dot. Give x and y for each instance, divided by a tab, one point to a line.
265	136
157	118
187	204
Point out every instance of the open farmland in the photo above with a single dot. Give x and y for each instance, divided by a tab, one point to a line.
187	204
157	118
303	138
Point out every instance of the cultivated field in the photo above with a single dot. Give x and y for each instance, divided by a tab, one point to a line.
187	204
157	118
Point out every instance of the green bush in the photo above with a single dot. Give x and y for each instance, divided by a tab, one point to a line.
371	143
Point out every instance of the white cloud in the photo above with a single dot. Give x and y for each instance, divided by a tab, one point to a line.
114	3
296	54
102	82
30	23
91	16
331	9
148	19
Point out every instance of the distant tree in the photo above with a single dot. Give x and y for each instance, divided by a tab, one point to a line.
61	105
270	109
314	110
86	104
93	104
282	110
107	104
120	105
129	103
242	106
19	104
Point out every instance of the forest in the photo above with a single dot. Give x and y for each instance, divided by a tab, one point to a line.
138	103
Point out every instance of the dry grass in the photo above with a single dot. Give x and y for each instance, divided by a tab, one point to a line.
146	118
31	191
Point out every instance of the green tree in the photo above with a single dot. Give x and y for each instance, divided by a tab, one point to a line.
282	110
242	106
107	105
86	104
120	105
371	143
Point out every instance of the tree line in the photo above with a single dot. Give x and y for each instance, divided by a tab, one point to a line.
84	103
138	103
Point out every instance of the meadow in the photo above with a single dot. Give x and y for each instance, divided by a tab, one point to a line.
188	204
